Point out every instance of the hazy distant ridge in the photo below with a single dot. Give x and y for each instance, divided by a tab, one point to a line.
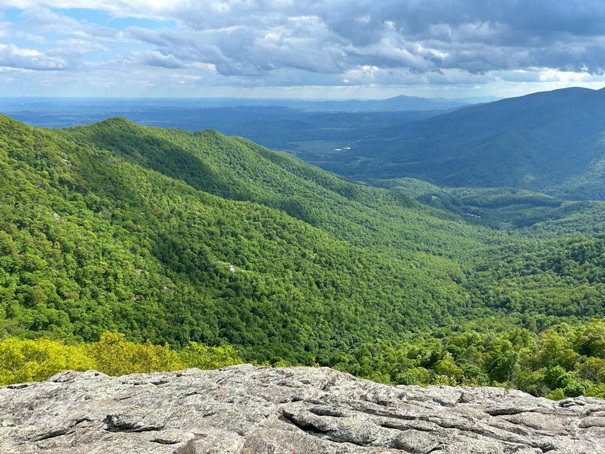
550	141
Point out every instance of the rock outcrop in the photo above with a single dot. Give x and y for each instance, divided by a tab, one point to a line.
245	409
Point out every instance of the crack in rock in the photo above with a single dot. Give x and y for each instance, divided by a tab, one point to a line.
118	423
504	411
52	434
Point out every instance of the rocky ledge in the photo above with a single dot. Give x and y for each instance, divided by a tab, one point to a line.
245	409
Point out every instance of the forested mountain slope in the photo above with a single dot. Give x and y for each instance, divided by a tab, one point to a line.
174	236
237	169
551	142
91	242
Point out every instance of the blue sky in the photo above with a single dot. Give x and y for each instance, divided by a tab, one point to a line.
299	48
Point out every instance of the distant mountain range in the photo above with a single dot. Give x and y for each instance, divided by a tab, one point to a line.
551	142
396	104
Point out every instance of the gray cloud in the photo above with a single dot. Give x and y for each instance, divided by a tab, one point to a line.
187	45
335	36
325	42
155	58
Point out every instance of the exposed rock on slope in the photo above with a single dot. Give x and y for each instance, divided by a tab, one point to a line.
243	409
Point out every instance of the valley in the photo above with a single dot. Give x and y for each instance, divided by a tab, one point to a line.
463	246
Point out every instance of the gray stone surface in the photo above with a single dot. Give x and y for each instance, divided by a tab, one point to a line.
244	409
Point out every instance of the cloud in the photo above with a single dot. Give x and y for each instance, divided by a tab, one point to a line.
155	58
188	45
44	40
314	42
43	21
14	57
338	36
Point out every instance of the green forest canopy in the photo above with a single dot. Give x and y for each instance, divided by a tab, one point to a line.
194	238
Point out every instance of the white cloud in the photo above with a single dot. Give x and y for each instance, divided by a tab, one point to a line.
14	57
554	75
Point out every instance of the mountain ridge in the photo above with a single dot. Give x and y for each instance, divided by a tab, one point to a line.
92	235
548	142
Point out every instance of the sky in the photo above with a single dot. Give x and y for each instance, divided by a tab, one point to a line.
322	49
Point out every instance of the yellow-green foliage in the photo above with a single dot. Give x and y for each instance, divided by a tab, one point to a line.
115	356
204	357
23	360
